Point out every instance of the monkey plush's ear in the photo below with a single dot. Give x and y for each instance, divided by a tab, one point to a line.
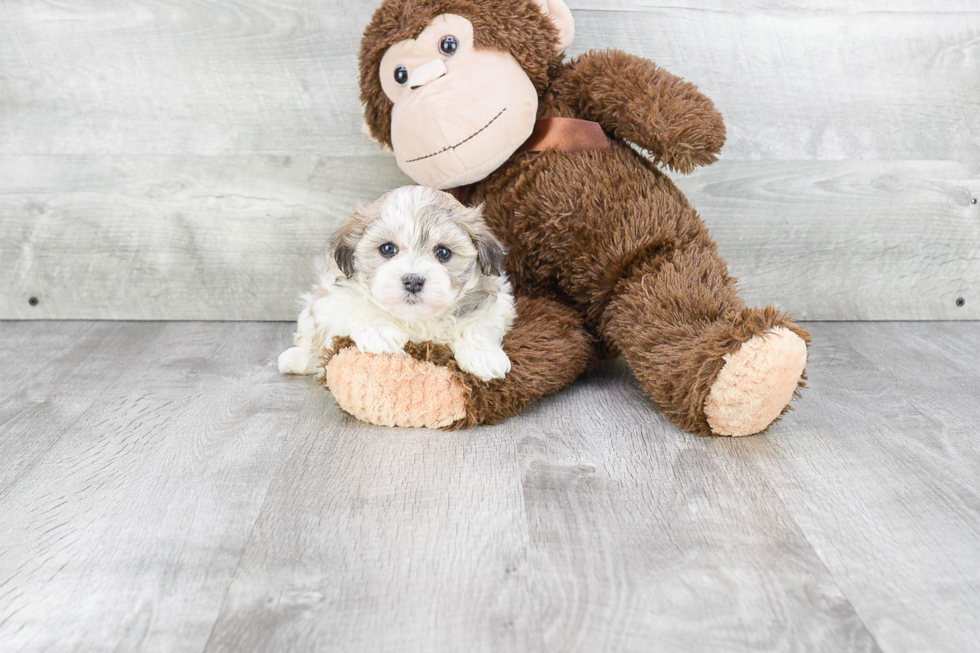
561	16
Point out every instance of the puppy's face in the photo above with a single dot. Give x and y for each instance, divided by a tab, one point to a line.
417	250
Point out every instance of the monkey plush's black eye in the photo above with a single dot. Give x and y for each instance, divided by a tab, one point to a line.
449	45
443	253
388	250
401	75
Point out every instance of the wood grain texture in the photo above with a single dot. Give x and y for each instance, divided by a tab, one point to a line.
125	530
587	525
869	240
785	6
820	82
87	353
214	238
186	160
888	450
642	539
181	496
816	82
181	77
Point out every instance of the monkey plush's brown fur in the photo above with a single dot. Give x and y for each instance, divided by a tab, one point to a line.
605	250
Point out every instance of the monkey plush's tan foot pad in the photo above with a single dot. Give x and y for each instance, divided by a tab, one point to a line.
395	390
756	383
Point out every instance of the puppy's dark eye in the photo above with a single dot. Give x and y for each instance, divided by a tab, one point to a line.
401	75
388	250
443	253
449	45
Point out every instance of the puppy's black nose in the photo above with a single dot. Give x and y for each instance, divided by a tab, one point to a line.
413	283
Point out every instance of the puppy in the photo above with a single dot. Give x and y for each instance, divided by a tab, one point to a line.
416	265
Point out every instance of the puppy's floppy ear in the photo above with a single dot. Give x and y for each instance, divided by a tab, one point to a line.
344	255
490	252
346	239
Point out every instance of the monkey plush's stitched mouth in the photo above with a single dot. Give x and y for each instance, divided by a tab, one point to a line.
465	140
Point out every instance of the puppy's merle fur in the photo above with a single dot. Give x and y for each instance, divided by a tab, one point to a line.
416	265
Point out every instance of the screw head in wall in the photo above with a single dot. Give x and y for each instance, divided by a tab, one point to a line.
33	301
961	302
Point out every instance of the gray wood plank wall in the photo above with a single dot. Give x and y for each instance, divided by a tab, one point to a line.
187	159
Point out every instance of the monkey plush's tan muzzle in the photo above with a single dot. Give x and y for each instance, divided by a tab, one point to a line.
428	73
456	126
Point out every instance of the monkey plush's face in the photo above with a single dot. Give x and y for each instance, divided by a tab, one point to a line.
459	113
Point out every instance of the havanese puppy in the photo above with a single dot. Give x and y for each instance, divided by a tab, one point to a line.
415	265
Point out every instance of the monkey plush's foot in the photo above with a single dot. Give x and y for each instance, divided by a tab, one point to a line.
548	349
756	384
390	390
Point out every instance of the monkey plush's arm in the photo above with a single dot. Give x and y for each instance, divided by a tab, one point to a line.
637	101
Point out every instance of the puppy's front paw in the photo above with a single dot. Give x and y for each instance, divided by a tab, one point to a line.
382	339
296	360
483	362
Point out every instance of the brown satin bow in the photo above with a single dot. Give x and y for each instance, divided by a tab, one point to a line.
559	134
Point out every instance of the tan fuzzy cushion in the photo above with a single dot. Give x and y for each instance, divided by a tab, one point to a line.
395	390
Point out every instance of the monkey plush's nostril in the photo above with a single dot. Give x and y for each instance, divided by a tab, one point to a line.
427	73
413	283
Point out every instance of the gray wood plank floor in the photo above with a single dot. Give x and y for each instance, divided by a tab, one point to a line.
163	489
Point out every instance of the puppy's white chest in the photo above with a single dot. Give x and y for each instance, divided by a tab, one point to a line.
440	332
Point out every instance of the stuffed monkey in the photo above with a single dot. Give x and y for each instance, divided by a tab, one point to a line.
606	255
